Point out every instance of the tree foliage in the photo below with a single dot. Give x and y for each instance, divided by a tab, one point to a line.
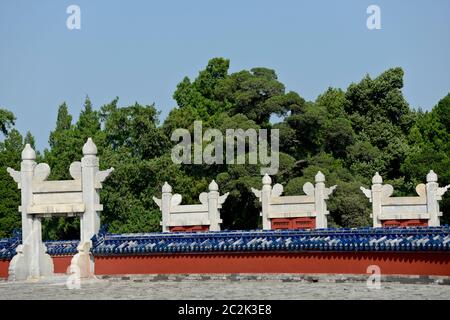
348	134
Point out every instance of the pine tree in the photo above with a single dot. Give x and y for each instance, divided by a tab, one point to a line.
63	144
7	120
63	124
10	156
88	124
66	143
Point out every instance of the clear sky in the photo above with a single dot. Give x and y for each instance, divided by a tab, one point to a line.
140	50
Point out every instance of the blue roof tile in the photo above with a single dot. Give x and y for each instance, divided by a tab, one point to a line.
345	239
356	239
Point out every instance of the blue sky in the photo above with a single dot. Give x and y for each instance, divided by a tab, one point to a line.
140	50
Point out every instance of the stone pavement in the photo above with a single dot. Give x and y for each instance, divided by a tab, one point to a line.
227	287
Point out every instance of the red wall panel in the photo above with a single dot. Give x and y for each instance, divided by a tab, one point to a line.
189	229
293	223
4	264
275	262
61	263
405	223
324	262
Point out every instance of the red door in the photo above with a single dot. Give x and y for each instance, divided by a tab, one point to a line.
293	223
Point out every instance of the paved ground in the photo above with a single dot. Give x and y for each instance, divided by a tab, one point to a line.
211	288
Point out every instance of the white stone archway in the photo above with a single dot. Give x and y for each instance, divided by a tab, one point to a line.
41	198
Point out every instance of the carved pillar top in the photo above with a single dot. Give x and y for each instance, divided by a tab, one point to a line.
89	148
432	177
166	188
377	179
28	153
320	177
266	180
213	186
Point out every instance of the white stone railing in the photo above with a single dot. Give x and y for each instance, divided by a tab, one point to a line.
174	214
312	204
424	207
41	198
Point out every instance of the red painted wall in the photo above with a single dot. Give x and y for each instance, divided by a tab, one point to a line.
405	223
293	223
189	229
308	262
61	263
324	262
4	264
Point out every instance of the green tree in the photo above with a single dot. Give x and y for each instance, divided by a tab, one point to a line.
347	134
63	145
10	156
429	140
134	130
66	143
7	120
257	94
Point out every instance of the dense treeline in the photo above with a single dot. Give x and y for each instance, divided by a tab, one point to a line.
347	134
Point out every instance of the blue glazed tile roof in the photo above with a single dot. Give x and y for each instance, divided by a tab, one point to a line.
361	239
8	247
61	248
332	240
55	248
